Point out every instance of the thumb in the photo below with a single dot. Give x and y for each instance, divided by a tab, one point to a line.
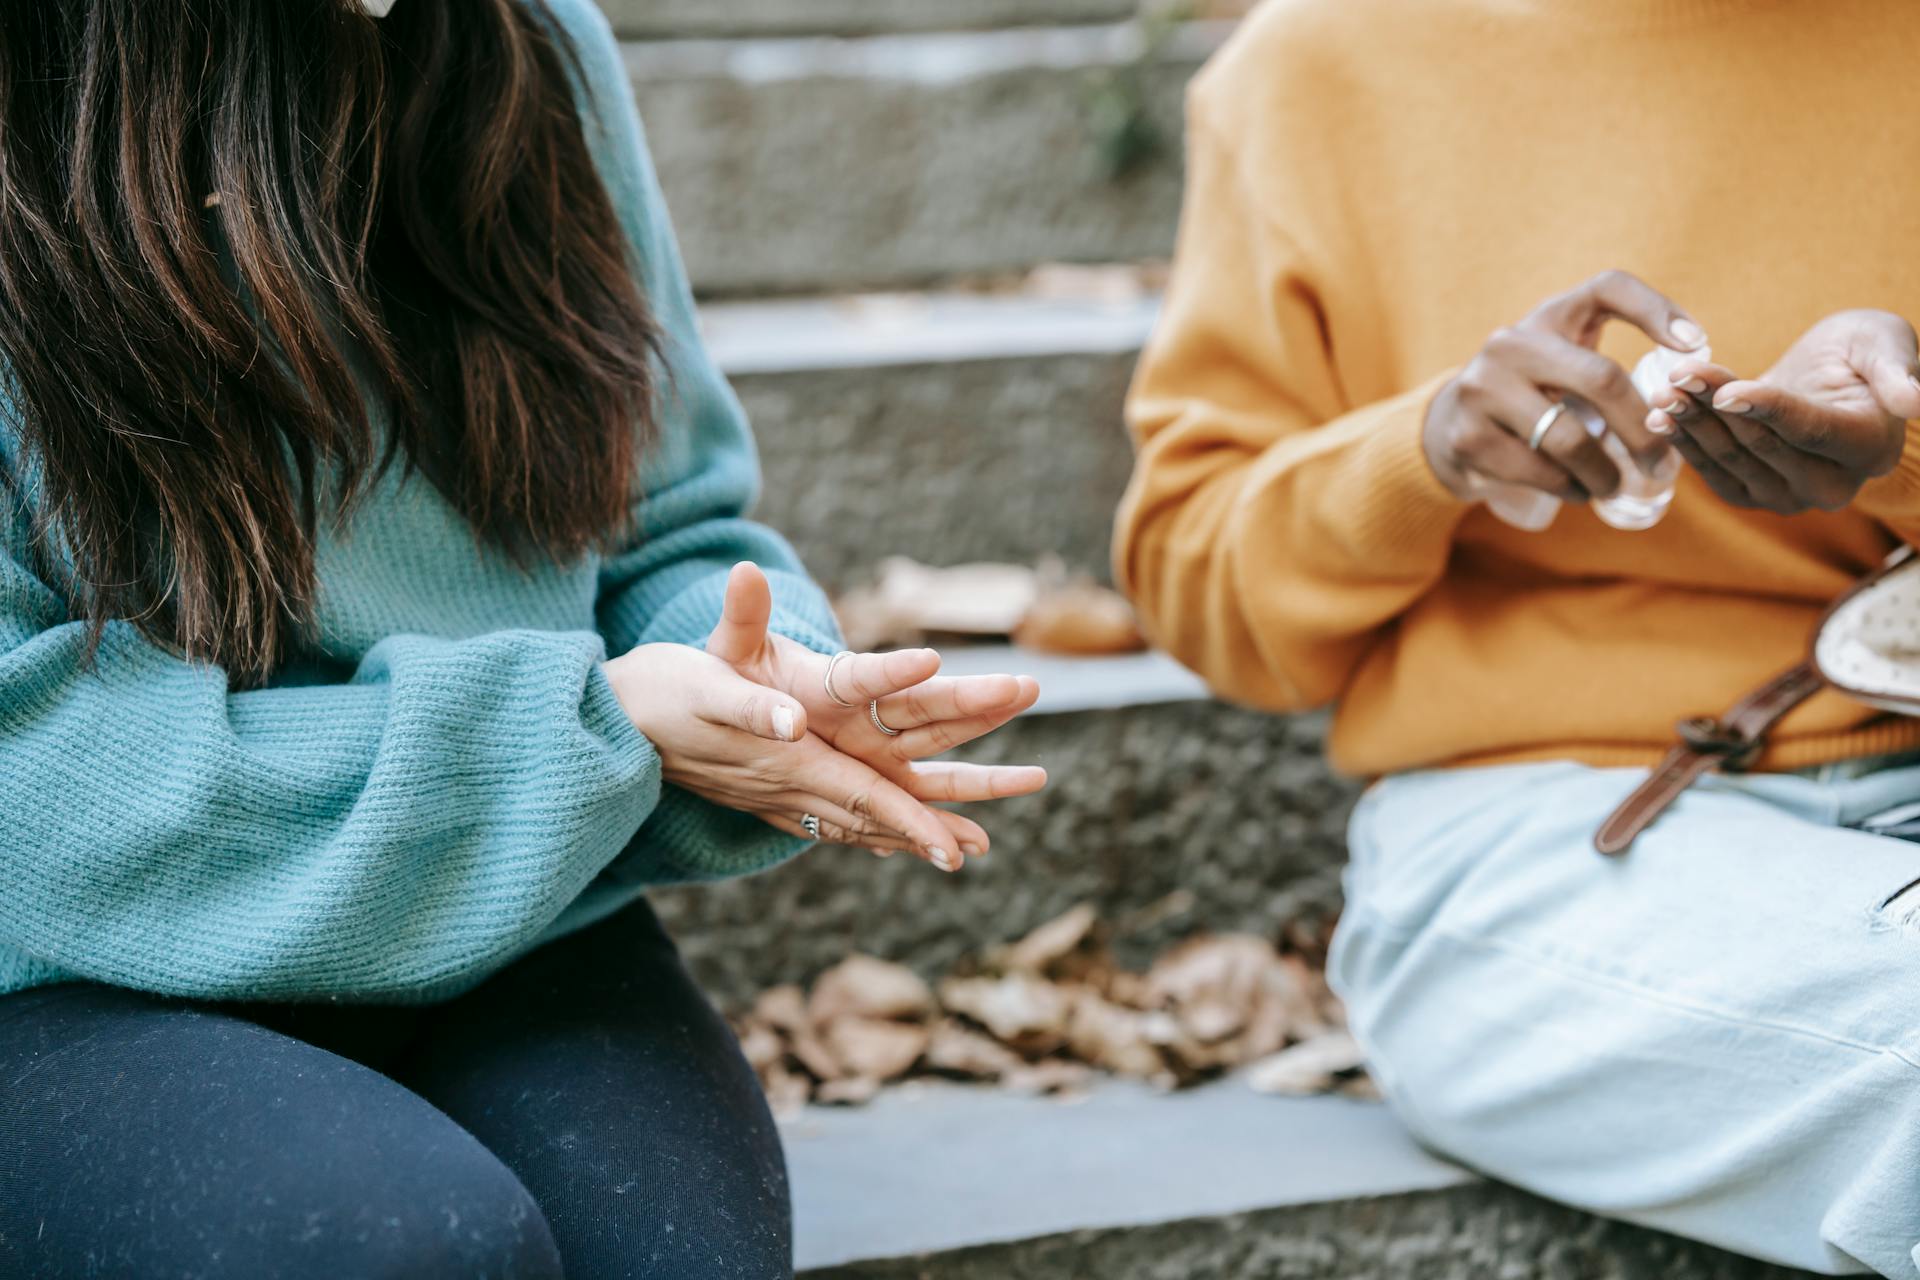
725	698
743	617
1884	356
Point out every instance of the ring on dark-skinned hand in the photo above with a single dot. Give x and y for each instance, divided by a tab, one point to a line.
1541	425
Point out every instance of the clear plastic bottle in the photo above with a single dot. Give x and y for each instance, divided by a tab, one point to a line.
1642	499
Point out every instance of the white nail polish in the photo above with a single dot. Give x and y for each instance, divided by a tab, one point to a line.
940	859
1690	334
783	723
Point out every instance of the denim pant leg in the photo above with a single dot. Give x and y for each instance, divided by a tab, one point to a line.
1717	1035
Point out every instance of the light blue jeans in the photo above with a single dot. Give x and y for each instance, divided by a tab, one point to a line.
1717	1035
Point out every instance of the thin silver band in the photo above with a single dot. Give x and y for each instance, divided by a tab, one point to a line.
832	664
810	825
1544	423
873	714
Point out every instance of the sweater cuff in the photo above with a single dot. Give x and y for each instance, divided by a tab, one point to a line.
1399	496
1373	492
1894	498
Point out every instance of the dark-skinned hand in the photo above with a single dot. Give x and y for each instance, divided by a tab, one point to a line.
1829	416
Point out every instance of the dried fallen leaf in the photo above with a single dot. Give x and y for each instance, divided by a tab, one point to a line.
812	1053
1312	1066
864	987
875	1047
1361	1088
1022	1011
1045	1013
1212	985
850	1092
787	1092
762	1046
962	1051
1125	1042
1053	1075
909	600
1053	941
1082	619
783	1008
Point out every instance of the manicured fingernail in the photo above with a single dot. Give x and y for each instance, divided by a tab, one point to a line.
1678	407
940	858
1733	406
1659	423
972	850
783	723
881	853
1694	384
1687	333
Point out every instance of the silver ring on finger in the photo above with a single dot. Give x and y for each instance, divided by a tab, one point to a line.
833	664
873	714
811	825
1544	423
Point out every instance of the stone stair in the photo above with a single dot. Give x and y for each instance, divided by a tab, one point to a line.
824	163
947	427
670	19
1217	1184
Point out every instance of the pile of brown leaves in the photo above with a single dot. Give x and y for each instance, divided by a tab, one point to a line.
1043	608
1051	1011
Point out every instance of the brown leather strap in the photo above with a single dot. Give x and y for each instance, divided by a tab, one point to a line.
1731	742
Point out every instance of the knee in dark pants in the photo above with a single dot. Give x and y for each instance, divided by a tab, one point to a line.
477	1222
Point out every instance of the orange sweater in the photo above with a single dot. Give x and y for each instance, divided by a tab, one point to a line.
1374	187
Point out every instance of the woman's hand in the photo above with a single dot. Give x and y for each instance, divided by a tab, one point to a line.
929	715
746	747
1828	417
1480	428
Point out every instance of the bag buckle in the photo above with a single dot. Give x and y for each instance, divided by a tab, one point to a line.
1711	737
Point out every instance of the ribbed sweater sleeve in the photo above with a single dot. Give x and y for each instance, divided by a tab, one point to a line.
1271	529
1894	499
701	481
393	837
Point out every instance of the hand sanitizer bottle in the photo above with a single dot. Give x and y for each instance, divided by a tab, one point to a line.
1643	497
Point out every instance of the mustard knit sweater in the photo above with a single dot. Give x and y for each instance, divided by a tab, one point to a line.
1374	187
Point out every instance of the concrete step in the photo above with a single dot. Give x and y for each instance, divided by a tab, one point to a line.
946	1183
950	428
827	163
657	19
1168	811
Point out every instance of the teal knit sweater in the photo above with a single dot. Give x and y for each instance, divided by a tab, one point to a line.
449	782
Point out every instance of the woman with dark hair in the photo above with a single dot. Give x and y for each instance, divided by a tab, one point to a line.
375	628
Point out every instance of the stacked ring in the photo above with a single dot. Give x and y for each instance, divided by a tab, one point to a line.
832	664
873	714
810	825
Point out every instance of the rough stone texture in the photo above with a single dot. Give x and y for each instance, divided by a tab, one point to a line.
948	463
824	164
1479	1232
1148	806
661	18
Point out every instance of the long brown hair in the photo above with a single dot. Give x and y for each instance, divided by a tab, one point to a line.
253	251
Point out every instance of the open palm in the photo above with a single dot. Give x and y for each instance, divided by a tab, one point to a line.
930	714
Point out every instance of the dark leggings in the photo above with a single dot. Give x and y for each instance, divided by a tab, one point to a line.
583	1113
